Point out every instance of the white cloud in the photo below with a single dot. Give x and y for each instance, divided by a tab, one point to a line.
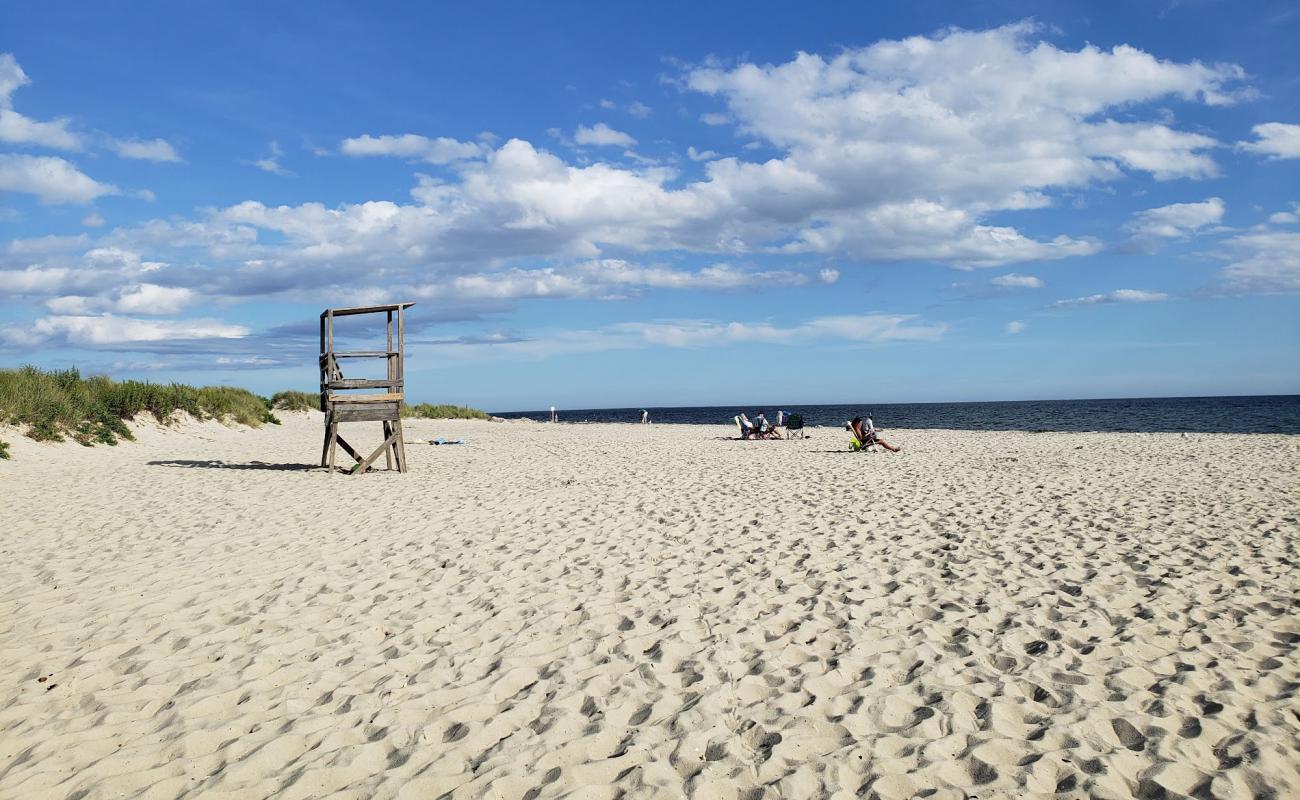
18	129
1015	326
93	220
1013	281
51	179
862	328
1177	220
1117	296
12	78
1284	218
107	330
1275	140
601	135
442	150
1263	263
639	110
700	155
159	150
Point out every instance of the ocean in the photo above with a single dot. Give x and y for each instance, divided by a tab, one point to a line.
1256	414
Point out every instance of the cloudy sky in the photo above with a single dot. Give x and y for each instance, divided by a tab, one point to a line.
669	204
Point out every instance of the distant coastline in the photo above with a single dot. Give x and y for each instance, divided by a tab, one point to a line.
1230	414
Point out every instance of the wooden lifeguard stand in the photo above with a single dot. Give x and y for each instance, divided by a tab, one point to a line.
372	406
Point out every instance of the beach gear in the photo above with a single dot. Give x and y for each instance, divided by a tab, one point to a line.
441	440
793	425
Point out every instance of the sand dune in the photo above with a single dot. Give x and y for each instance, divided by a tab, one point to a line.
594	611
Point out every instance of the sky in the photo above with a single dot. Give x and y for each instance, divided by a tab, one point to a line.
656	204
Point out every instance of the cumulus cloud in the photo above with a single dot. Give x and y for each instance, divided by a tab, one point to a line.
1262	263
51	179
159	150
1274	139
1117	296
1015	326
601	135
108	330
442	150
1013	281
1177	220
16	128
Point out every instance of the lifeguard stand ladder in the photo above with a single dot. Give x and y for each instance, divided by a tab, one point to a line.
385	407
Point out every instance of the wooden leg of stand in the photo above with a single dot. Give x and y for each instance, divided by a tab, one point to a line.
388	451
399	447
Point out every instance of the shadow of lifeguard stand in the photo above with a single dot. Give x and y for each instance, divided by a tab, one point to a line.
370	406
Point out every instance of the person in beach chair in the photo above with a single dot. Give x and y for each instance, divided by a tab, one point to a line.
744	425
762	429
865	435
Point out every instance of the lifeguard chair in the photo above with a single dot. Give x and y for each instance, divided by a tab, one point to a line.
341	402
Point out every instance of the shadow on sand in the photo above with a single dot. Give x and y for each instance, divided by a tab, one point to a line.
213	464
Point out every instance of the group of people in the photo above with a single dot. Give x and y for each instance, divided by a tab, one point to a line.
759	427
864	431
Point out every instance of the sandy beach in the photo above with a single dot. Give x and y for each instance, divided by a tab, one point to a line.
600	611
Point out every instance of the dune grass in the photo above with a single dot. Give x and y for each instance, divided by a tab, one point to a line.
431	411
295	401
55	404
52	405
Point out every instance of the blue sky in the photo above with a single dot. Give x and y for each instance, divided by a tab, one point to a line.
668	204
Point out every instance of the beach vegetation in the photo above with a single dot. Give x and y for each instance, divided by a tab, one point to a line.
431	411
4	449
295	401
56	404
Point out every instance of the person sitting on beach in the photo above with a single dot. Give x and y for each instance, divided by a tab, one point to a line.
746	427
762	429
866	434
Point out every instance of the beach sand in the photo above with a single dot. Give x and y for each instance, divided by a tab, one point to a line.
595	611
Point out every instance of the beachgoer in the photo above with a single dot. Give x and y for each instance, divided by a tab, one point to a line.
867	434
762	429
747	428
645	417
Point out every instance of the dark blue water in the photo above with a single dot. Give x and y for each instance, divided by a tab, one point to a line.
1261	414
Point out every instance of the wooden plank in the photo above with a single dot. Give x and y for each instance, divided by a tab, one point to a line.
387	397
347	447
388	446
347	312
365	398
362	383
360	469
365	354
373	412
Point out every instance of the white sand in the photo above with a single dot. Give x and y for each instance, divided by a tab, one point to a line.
589	611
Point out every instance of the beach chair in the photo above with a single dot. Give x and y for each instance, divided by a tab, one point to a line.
740	429
857	446
794	425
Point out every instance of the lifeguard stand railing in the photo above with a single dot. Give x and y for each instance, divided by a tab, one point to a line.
346	399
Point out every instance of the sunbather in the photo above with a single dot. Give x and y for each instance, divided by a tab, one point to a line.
747	429
762	429
866	435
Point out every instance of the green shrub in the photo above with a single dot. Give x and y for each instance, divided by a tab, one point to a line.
295	401
431	411
94	410
4	449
